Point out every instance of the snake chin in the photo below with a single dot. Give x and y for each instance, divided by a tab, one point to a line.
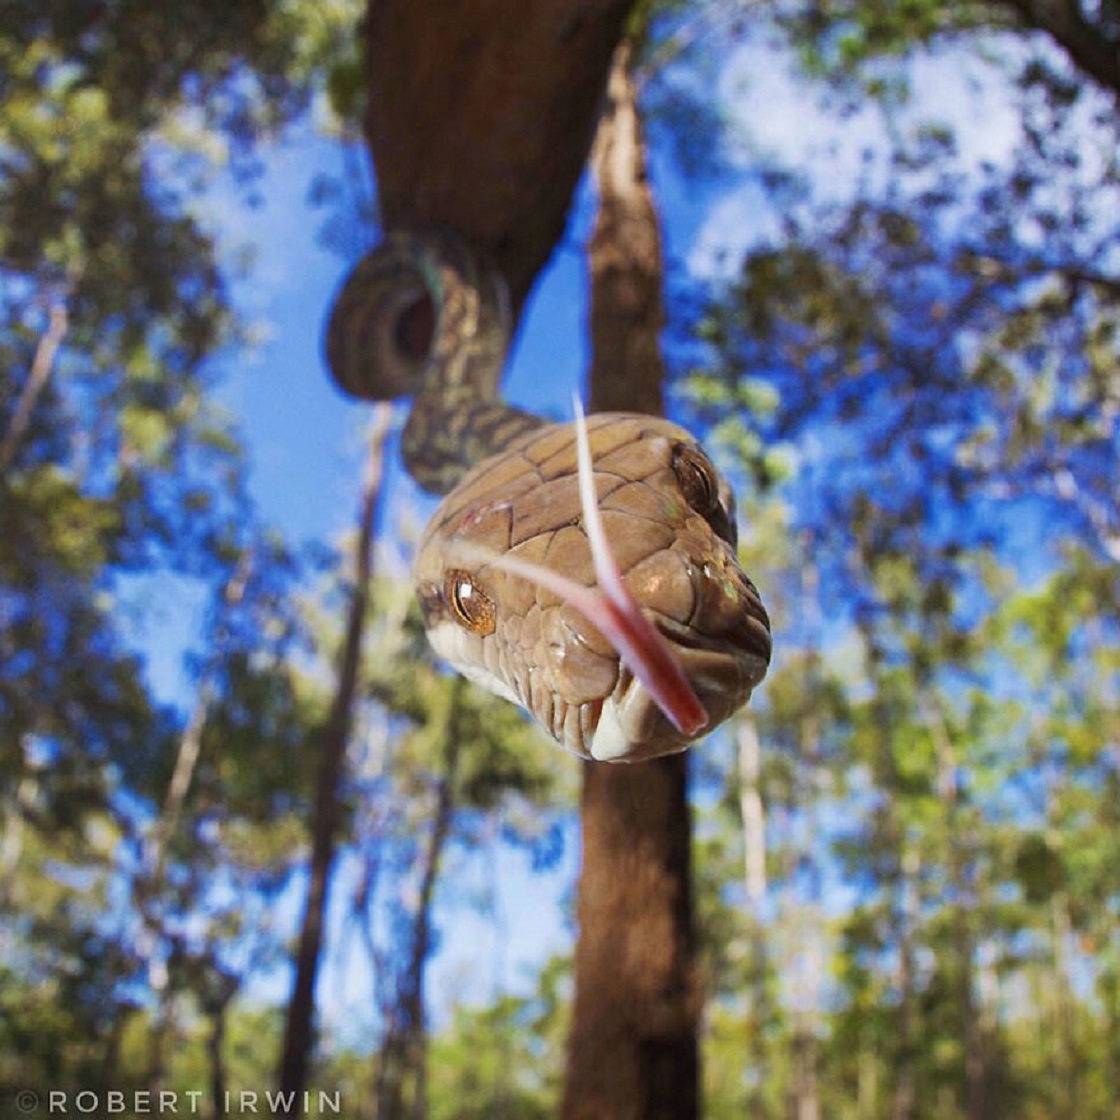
610	742
632	729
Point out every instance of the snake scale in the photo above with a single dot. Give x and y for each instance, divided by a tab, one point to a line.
614	608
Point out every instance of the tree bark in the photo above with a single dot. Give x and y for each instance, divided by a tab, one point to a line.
41	367
326	814
632	1051
1089	47
404	1051
481	114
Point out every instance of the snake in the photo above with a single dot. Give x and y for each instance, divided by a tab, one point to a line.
586	571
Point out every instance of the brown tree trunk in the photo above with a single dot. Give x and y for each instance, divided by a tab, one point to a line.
403	1057
481	113
42	366
632	1051
326	813
217	1010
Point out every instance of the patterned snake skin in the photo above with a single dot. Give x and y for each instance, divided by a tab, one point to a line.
420	315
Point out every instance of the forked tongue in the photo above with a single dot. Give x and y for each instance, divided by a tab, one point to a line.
610	607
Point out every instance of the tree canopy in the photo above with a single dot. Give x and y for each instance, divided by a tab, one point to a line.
907	355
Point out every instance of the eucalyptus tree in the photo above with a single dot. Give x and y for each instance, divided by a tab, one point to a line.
115	462
919	363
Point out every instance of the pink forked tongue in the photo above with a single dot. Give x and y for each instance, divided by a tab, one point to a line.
611	608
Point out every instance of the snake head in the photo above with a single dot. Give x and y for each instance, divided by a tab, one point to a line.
588	573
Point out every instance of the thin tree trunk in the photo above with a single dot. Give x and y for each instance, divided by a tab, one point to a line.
632	1051
326	814
214	1052
752	812
110	1068
1109	987
905	1088
190	745
1066	1088
215	1045
14	816
149	885
867	1091
41	367
162	1023
972	1037
404	1052
806	1099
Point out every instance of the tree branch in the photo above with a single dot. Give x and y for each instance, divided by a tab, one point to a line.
41	367
1088	47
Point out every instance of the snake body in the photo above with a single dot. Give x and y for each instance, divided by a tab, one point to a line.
421	315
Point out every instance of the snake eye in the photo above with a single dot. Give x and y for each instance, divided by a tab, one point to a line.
696	479
701	489
473	608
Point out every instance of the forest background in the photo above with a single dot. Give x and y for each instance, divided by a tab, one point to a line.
893	290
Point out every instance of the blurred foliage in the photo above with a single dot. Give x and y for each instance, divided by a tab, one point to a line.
913	375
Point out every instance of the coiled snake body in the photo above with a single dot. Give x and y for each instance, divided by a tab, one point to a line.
421	315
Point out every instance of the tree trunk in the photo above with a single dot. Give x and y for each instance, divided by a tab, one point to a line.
404	1052
481	113
905	1087
42	366
326	814
215	1049
1087	42
1109	987
1063	1055
160	1030
973	1039
632	1051
752	811
190	744
809	923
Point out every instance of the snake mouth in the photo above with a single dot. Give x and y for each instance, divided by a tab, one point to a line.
632	727
722	669
750	643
